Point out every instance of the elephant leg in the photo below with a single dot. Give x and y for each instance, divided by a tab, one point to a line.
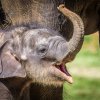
5	94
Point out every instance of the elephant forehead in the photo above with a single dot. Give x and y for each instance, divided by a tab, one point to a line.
39	36
36	33
41	40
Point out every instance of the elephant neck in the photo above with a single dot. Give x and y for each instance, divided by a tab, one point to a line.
39	92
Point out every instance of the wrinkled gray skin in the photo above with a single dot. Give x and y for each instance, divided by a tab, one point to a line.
37	50
25	44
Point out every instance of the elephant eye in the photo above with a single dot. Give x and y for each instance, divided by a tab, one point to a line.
42	50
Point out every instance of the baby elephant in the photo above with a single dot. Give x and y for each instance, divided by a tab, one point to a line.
36	55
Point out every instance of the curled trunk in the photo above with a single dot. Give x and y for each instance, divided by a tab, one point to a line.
44	13
76	41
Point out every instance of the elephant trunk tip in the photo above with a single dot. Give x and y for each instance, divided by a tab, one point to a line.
60	6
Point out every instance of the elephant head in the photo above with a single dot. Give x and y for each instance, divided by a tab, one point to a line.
40	53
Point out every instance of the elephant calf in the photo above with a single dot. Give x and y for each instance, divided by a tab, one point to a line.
37	55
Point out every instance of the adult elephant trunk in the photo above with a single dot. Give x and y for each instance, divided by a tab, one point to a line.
75	43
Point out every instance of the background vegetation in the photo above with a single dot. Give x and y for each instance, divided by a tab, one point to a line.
85	70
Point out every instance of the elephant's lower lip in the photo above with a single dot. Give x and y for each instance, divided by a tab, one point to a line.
64	70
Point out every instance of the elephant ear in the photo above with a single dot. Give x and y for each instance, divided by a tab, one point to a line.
9	65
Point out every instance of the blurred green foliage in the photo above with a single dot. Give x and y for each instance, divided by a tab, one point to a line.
89	55
82	89
85	88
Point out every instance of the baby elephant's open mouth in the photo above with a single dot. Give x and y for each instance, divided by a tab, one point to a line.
65	74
